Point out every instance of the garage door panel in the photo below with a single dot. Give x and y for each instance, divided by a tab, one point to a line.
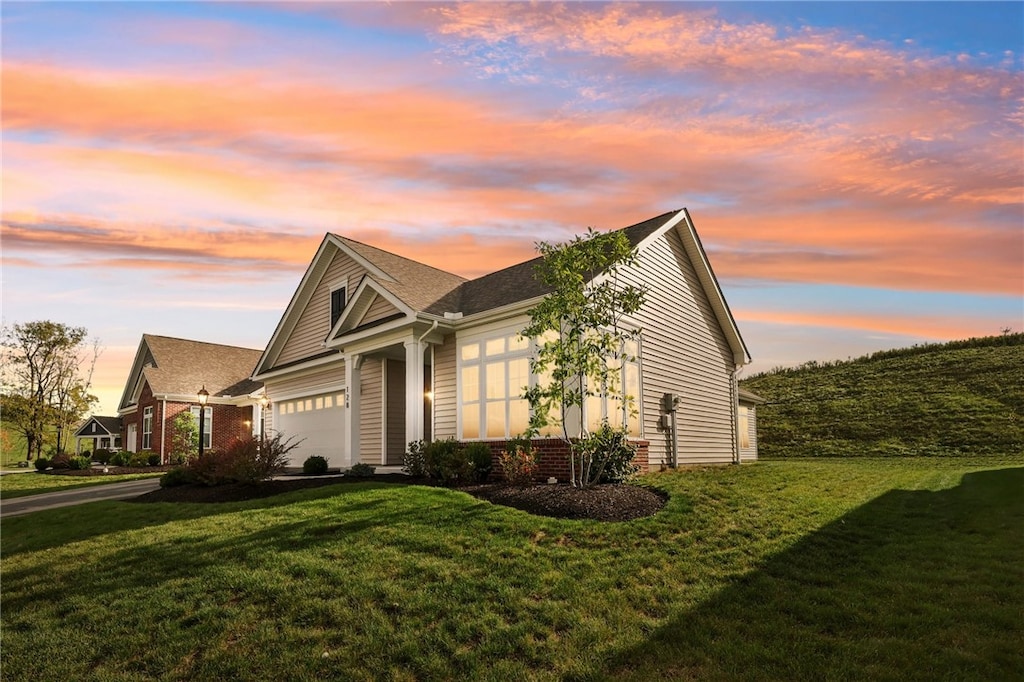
318	421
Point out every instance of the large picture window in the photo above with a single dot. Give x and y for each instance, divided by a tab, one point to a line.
495	371
147	427
608	404
207	425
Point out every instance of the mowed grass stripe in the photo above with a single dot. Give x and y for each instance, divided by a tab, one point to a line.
778	570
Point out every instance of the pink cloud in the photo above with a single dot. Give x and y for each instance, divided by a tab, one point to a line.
927	326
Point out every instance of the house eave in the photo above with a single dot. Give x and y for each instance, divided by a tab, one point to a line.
299	367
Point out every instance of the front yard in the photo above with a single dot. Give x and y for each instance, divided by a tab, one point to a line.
827	569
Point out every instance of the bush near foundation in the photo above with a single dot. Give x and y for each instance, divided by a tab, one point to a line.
519	462
247	460
314	465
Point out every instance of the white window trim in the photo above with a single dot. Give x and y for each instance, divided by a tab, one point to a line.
481	361
147	436
481	339
207	424
343	286
638	402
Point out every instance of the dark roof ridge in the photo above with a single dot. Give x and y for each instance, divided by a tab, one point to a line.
392	254
206	343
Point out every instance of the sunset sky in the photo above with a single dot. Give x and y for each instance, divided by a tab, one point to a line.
855	170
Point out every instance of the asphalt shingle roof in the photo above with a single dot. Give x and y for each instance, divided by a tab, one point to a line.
417	284
182	367
518	282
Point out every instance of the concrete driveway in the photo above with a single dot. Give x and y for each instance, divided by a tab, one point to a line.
106	491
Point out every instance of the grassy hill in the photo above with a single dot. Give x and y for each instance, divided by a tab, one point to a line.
959	398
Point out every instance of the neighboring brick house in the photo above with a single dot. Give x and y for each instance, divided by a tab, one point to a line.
376	350
165	380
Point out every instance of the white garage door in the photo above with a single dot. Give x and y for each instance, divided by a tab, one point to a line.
318	421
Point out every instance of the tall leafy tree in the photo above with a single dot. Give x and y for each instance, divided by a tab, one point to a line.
581	336
43	386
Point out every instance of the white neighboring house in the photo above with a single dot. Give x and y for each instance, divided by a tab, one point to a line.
376	350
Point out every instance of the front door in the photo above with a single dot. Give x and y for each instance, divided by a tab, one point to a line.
133	430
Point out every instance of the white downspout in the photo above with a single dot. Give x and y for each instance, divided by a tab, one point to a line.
733	410
427	333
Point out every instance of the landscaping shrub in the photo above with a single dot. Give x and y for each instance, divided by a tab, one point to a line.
176	476
140	458
613	455
314	465
61	461
247	460
446	462
42	464
80	463
86	454
479	455
414	463
153	460
518	462
102	455
121	459
361	470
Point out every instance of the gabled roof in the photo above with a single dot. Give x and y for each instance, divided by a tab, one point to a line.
421	288
413	284
180	367
111	426
517	282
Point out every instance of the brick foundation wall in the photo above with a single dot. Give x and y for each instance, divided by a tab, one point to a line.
554	457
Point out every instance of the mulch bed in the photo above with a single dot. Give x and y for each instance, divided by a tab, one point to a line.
606	502
599	503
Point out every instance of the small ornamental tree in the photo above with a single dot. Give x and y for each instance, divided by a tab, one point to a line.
184	437
581	338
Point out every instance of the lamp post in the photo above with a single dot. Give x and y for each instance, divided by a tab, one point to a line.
264	401
204	395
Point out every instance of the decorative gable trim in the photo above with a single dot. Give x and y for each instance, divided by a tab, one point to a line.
133	386
99	430
328	249
364	297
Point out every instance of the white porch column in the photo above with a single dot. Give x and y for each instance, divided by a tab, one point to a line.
414	389
353	376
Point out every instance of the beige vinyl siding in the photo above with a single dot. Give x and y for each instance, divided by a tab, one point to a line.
378	310
370	411
750	453
310	331
329	376
395	411
445	408
683	351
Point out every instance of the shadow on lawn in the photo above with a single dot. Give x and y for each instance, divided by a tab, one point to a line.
913	585
56	527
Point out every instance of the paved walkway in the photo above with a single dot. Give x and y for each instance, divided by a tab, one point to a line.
105	491
66	498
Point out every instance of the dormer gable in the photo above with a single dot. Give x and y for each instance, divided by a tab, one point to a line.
371	305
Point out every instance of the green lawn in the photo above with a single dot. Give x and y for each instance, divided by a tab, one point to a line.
34	483
780	570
